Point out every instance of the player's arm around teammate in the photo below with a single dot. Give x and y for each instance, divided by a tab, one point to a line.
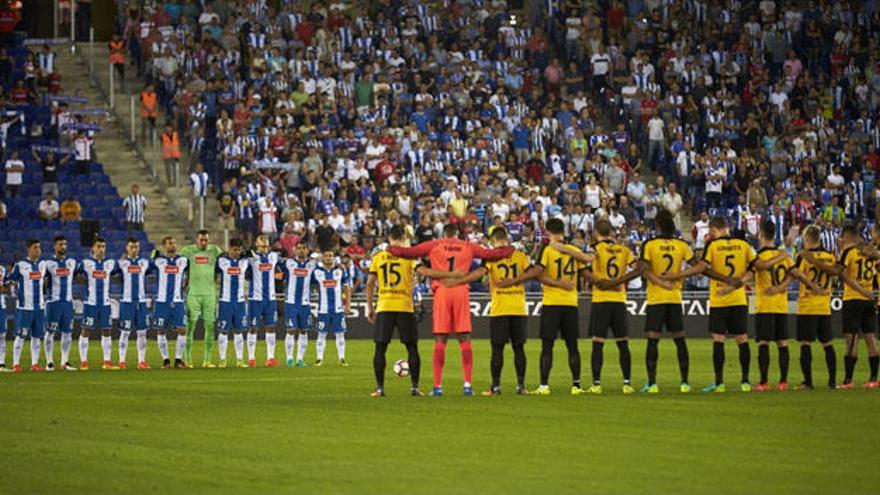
232	269
97	270
168	305
262	307
297	273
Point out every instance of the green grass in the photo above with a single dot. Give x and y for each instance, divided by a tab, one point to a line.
316	430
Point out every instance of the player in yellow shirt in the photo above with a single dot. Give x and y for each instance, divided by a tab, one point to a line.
662	255
507	311
395	278
725	261
559	273
770	269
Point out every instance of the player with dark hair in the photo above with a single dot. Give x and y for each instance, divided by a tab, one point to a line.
452	312
662	255
726	261
29	276
559	273
97	270
232	310
59	308
297	272
201	293
133	303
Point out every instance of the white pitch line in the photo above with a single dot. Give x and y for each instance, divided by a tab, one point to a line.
221	380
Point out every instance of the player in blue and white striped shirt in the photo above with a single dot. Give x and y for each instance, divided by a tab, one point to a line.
262	307
233	304
334	302
59	309
97	270
29	275
133	303
4	287
168	307
297	305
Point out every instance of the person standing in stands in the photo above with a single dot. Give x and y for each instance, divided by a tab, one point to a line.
171	155
135	205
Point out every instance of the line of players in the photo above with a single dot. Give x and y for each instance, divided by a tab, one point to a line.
664	262
44	290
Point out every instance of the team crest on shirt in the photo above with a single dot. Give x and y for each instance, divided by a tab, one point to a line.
202	260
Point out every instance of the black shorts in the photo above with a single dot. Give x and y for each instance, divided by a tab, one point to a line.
660	316
559	320
609	315
387	321
809	327
733	320
859	316
504	329
771	327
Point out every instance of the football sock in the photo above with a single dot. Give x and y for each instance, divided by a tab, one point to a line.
238	343
873	362
596	361
209	340
764	362
83	349
340	346
849	366
180	348
625	360
49	344
415	363
66	344
162	341
289	344
3	348
439	362
270	344
188	340
684	362
107	347
17	347
745	359
467	360
574	361
807	364
251	345
831	363
718	361
379	364
142	346
519	362
35	351
783	364
222	345
302	343
123	345
496	363
320	343
651	356
546	360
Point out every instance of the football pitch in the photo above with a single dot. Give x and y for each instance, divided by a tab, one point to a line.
316	430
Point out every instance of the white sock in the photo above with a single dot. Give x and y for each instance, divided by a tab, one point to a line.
270	345
340	346
162	340
3	348
320	344
302	343
251	345
107	347
83	349
35	350
142	346
49	344
178	349
238	342
66	344
289	344
222	345
17	346
123	345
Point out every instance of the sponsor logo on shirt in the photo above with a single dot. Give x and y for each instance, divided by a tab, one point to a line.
61	272
234	271
300	272
99	274
35	276
265	267
329	283
134	269
173	269
202	260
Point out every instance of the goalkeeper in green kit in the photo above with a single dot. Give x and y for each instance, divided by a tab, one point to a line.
201	295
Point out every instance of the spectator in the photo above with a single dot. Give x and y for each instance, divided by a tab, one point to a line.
199	182
268	217
50	166
82	152
3	216
135	205
48	208
171	155
71	210
673	202
227	208
14	175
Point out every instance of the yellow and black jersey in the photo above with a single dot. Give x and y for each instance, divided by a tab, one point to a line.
765	279
510	301
612	261
395	278
665	255
859	267
809	302
731	258
561	267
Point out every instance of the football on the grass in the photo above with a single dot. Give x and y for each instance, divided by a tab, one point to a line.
401	368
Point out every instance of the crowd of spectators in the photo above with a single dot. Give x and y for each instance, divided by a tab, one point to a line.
333	122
